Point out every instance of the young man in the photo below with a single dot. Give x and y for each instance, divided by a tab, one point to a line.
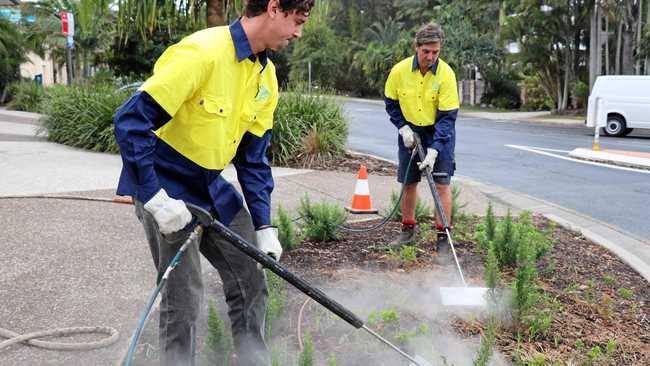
421	97
209	102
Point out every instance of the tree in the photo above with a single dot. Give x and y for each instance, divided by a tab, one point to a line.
12	54
550	35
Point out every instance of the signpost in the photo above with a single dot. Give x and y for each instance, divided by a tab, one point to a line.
67	28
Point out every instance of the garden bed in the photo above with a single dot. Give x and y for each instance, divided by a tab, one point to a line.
603	313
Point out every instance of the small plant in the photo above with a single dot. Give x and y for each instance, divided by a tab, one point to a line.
490	222
610	348
306	357
524	285
456	206
487	343
625	293
422	210
321	220
408	253
609	280
286	230
594	353
332	360
276	301
580	344
492	274
218	345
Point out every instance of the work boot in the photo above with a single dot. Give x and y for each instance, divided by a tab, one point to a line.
442	245
406	237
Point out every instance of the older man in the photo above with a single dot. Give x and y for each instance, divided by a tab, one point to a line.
421	97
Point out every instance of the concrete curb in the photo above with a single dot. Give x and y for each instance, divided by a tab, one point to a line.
610	158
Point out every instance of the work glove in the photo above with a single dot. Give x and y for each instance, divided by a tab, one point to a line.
267	242
407	136
170	214
429	160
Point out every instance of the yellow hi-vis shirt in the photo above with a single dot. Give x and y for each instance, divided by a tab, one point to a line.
421	96
212	97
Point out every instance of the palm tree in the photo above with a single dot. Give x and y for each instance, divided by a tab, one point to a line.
12	54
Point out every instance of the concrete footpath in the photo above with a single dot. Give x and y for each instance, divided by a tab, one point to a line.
69	263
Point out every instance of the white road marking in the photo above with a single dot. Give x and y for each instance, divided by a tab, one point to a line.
539	150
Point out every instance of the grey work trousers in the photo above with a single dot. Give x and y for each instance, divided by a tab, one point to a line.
244	286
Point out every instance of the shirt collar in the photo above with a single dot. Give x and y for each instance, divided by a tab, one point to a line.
243	47
416	65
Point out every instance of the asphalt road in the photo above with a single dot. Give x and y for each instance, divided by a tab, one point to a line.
538	166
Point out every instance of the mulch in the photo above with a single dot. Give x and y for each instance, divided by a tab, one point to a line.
601	299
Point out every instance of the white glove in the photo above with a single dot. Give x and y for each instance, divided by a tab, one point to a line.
429	160
407	136
171	214
267	242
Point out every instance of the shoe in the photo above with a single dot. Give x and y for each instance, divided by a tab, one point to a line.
442	246
406	237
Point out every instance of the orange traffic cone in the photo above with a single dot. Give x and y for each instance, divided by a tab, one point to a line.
361	203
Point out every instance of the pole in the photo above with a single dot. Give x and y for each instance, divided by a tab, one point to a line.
601	114
68	64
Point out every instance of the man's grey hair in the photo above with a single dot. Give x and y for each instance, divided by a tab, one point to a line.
429	33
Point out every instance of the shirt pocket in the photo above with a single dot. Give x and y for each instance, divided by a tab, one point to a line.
212	126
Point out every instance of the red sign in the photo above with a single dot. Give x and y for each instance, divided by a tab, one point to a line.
64	22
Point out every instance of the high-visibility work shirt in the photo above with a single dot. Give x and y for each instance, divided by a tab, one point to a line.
209	102
425	101
421	96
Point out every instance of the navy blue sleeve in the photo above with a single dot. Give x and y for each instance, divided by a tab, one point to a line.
135	122
254	175
444	130
395	112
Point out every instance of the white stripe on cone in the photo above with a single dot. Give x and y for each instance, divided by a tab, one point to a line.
362	188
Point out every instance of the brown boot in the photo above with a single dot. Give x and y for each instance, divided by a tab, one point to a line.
406	237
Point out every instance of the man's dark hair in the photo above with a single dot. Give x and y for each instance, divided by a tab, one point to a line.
257	7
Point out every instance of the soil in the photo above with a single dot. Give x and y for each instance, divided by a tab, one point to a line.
585	278
601	301
349	163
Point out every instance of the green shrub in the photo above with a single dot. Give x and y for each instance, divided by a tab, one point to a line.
286	230
581	93
332	360
307	355
625	293
276	301
524	287
536	97
501	90
218	344
83	116
456	206
320	220
422	210
492	271
307	128
26	96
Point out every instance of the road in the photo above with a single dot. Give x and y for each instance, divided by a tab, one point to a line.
537	165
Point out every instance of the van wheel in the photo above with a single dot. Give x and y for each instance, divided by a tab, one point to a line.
615	126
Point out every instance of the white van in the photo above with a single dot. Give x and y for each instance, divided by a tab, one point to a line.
626	100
